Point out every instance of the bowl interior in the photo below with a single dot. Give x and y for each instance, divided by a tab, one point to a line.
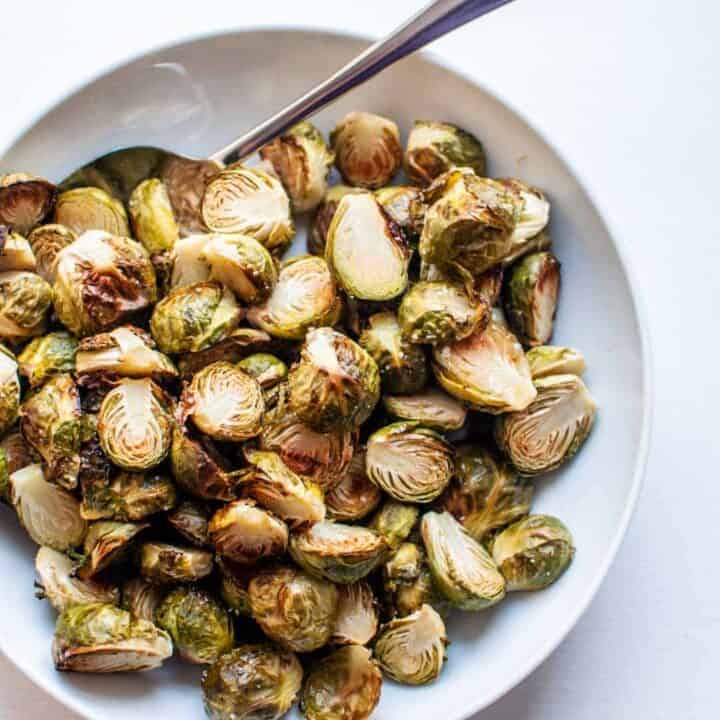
197	96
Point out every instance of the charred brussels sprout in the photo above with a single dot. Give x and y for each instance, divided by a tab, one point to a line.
528	235
107	543
191	519
367	149
25	201
533	553
129	496
142	598
432	408
9	390
267	369
46	242
355	496
152	216
90	208
395	521
397	201
357	617
165	563
25	299
51	354
547	360
551	429
317	235
15	252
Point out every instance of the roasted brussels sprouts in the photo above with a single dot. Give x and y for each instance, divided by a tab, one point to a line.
9	390
165	563
15	252
129	496
234	582
547	360
488	370
187	258
107	543
142	598
551	429
15	454
294	609
404	565
533	553
49	355
431	408
355	496
367	250
344	685
102	638
411	649
25	299
90	208
534	217
25	200
191	519
357	617
530	297
409	462
367	149
462	568
252	682
395	521
396	201
267	369
433	148
152	217
317	235
200	627
46	242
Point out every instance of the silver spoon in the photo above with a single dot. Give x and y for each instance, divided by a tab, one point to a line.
121	170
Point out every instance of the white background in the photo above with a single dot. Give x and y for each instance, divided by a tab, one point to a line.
628	92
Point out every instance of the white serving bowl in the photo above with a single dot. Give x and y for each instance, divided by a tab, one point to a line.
197	96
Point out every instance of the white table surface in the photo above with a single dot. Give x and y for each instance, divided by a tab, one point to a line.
628	92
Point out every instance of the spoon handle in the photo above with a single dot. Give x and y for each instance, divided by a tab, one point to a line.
437	19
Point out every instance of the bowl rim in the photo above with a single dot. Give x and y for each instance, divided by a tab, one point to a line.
639	306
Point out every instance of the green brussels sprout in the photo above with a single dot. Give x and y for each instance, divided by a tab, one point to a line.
431	408
252	682
46	242
336	384
250	201
189	265
151	215
547	360
100	281
135	424
57	582
485	494
355	496
267	369
395	521
9	390
245	533
530	297
200	627
436	313
49	355
191	519
102	638
142	598
294	609
396	201
302	161
304	297
367	149
488	370
107	543
25	201
234	582
25	299
344	684
224	403
533	553
366	250
340	553
128	497
90	208
433	148
533	219
411	649
194	318
15	454
402	364
281	491
357	617
165	563
15	252
317	235
409	462
49	514
126	351
551	429
461	567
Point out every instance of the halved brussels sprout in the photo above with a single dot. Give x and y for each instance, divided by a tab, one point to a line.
100	281
547	360
135	424
200	627
409	462
485	493
129	496
9	390
194	318
336	384
281	491
395	521
488	370
49	355
49	514
234	582
367	149
355	496
533	219
533	553
462	568
46	242
530	297
224	403
267	369
250	201
25	299
107	543
245	533
396	201
357	618
302	160
102	638
402	365
189	265
366	250
191	519
305	296
15	252
411	649
317	235
344	684
340	553
252	682
431	408
152	216
25	200
90	208
294	609
142	598
436	147
165	563
551	429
